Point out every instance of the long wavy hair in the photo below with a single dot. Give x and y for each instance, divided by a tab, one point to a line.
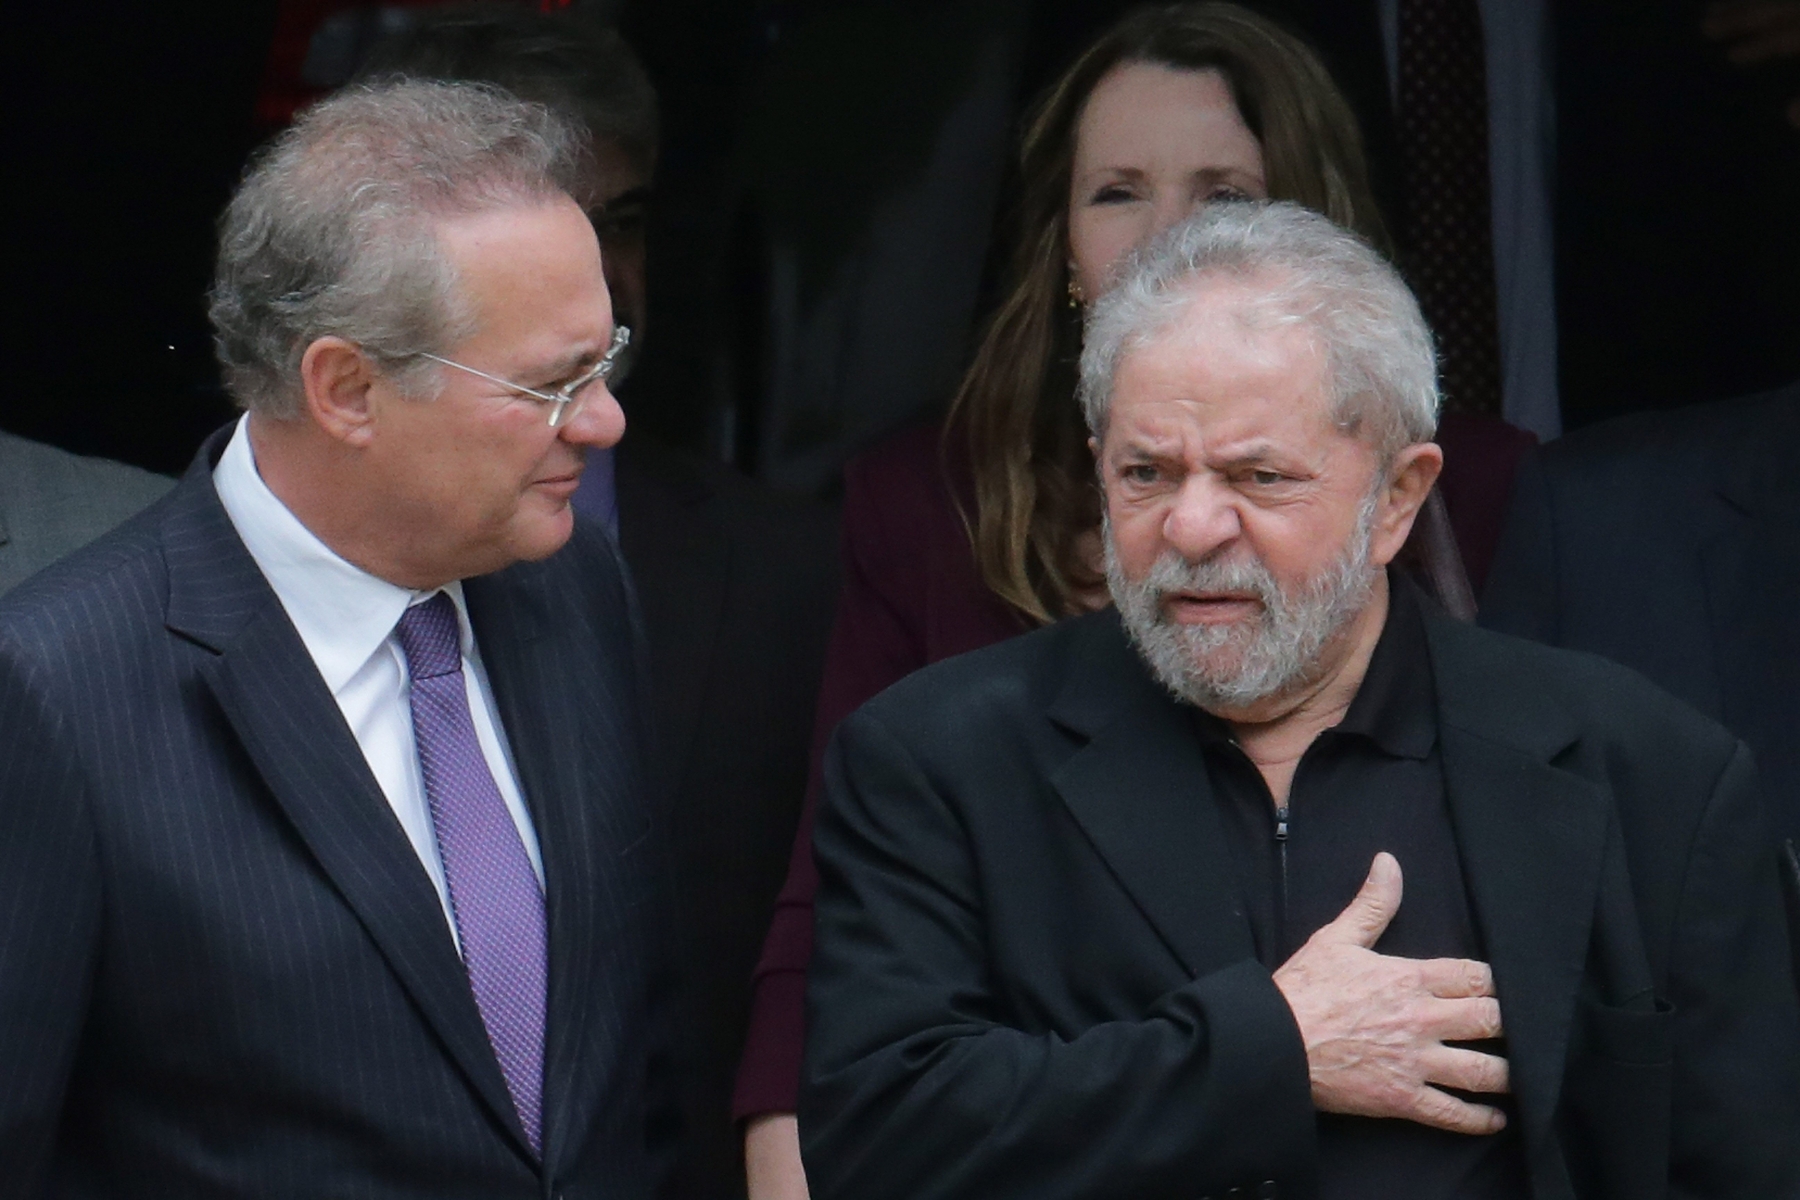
1015	413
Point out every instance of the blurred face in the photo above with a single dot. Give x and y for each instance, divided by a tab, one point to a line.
476	479
1244	529
1152	144
619	218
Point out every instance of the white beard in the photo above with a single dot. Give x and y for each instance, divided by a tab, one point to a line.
1227	668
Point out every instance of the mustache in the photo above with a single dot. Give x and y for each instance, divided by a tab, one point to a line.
1171	573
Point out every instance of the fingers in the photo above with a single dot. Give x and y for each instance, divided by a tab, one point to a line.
1466	1070
1455	977
1366	917
1475	1019
1440	1110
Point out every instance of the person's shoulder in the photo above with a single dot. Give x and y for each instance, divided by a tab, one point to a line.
53	502
1499	685
110	592
959	699
44	475
1666	445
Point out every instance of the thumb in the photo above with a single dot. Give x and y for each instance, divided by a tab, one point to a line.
1366	917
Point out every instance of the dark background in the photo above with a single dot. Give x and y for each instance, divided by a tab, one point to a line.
126	125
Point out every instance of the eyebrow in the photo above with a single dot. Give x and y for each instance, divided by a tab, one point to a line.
1247	455
1255	452
568	364
1113	171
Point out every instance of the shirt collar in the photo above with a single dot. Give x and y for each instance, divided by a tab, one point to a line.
342	613
1396	705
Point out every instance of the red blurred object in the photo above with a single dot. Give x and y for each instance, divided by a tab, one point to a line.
324	35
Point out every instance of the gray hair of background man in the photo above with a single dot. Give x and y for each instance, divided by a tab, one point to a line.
567	60
332	231
1380	366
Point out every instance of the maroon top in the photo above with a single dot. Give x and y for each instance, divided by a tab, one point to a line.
912	595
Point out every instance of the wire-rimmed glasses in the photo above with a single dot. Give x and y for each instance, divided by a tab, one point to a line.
566	401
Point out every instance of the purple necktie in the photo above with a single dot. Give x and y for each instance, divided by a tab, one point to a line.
494	894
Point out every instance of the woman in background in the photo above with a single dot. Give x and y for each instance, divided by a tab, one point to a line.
958	537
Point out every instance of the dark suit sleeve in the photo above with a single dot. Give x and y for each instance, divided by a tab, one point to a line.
49	922
1521	593
1737	1021
921	1080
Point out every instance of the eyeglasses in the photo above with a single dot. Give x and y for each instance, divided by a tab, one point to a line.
566	401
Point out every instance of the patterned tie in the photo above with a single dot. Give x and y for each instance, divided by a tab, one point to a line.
494	894
1443	126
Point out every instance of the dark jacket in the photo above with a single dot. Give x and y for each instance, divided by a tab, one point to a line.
913	595
1671	543
1033	978
223	971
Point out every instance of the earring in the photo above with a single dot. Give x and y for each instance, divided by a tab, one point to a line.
1076	298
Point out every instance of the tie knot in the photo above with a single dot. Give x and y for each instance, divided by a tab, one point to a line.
430	638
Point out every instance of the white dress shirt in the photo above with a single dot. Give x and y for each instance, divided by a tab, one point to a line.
346	618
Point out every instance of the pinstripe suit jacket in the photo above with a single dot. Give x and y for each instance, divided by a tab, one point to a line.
223	970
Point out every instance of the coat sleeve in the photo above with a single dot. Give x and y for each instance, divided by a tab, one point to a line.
49	925
922	1082
1736	1130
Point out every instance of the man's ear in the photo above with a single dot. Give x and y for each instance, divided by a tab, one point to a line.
1409	481
335	377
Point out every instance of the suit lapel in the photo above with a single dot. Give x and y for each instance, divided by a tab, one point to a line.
1752	573
274	700
1532	840
573	759
1140	792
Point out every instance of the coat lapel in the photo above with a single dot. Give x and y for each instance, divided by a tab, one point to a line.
567	715
1533	841
1140	792
272	696
1752	573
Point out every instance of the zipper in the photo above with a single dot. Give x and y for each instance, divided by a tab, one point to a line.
1281	850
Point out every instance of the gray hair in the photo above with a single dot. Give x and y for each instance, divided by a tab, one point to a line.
1381	368
332	231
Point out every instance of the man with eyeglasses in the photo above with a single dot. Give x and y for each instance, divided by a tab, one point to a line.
736	583
327	862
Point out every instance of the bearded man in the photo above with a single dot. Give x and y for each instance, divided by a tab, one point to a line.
1115	909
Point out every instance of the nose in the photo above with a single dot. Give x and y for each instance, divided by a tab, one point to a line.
1171	208
599	423
1203	519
